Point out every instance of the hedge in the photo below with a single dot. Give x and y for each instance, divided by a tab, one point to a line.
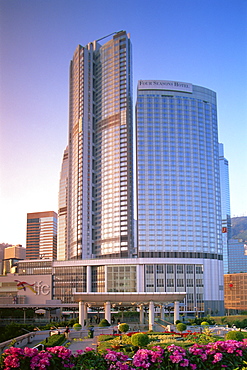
54	340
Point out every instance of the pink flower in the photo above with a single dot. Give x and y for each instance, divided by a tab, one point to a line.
88	349
79	352
30	352
184	363
217	357
193	366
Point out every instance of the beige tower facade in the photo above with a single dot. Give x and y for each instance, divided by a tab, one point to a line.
100	151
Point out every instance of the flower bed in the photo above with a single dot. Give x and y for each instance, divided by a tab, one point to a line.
229	355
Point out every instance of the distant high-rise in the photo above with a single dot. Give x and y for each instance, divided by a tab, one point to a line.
178	187
41	235
2	248
237	252
225	207
62	237
100	152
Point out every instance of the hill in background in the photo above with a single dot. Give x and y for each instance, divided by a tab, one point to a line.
239	228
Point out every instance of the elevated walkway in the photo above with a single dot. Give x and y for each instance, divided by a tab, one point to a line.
162	325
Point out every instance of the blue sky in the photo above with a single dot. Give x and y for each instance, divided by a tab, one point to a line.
203	42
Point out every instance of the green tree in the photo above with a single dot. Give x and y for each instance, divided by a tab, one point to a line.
103	323
181	327
123	328
234	335
140	340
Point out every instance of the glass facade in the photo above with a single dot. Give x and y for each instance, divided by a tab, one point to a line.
225	207
67	280
121	278
41	267
237	256
98	278
179	207
177	278
100	197
145	275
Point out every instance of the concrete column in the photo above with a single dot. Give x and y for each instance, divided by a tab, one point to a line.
108	311
85	312
141	314
162	313
176	311
89	279
151	315
81	313
138	278
106	287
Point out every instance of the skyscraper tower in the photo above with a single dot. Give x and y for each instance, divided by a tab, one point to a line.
178	182
100	151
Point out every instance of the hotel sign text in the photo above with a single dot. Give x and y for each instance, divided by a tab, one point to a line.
164	85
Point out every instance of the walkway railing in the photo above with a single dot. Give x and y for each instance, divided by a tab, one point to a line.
25	339
18	341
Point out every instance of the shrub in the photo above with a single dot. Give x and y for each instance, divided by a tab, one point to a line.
235	335
123	328
90	360
140	340
103	323
105	337
14	330
54	340
77	326
70	323
205	323
177	322
181	327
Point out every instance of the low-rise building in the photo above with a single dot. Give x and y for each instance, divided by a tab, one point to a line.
235	288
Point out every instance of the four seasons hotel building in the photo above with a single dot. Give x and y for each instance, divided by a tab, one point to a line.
176	253
178	190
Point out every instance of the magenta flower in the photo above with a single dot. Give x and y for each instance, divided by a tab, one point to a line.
193	366
217	357
116	360
144	358
87	349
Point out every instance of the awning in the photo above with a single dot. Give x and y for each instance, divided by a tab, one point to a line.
128	298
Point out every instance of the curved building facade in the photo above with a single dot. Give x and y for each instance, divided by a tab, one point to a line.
178	183
62	240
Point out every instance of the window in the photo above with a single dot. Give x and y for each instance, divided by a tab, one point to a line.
180	269
190	282
199	269
150	269
169	269
190	298
180	282
170	283
160	283
199	283
160	269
